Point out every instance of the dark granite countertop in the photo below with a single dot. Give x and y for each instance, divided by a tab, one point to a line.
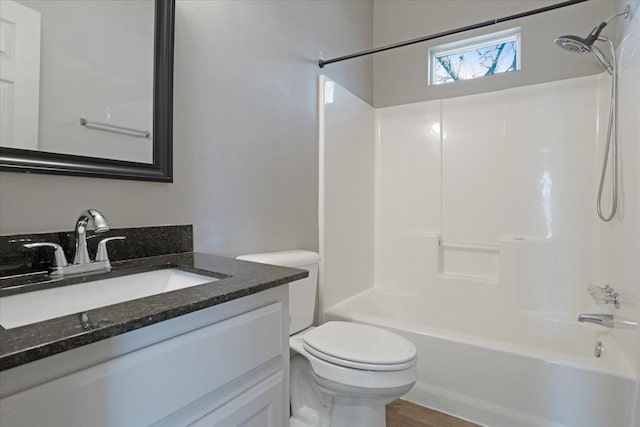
39	340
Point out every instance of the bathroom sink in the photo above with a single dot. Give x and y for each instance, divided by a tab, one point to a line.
31	307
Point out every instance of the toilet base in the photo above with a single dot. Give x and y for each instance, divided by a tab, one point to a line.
348	417
317	402
345	413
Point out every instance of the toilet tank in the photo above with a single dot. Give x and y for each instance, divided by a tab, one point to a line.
302	293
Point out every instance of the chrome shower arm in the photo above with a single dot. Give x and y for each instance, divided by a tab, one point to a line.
595	33
625	13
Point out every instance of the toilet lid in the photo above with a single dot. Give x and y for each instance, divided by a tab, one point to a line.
357	344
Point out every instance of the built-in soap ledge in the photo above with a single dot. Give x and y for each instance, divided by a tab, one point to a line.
477	247
475	261
469	261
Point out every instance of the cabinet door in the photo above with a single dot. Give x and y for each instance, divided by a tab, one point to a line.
260	406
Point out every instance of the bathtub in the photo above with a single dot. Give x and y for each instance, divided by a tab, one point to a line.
506	369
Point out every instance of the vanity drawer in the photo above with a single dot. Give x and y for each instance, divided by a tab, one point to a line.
144	386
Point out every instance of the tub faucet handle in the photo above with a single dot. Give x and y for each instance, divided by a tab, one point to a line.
604	295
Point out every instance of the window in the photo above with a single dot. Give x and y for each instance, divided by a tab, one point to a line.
477	57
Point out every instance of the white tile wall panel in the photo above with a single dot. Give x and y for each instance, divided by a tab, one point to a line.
407	175
472	129
346	193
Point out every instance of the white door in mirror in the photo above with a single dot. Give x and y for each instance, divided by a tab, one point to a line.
31	307
19	75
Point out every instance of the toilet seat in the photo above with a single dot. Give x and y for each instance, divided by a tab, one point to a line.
359	346
357	365
346	372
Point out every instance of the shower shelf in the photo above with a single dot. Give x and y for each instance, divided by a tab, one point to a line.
470	246
485	280
476	262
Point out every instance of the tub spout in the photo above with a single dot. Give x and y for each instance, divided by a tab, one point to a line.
605	320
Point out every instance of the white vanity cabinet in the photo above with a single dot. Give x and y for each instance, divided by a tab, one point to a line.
225	365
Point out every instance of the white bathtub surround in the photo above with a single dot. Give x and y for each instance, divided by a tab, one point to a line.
486	240
523	243
511	174
346	193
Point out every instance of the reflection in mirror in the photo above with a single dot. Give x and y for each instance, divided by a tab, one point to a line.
67	60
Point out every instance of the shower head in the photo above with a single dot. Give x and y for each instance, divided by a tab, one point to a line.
577	44
573	44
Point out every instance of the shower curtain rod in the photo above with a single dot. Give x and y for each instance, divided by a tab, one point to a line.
322	62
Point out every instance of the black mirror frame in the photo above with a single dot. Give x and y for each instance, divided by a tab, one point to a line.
30	161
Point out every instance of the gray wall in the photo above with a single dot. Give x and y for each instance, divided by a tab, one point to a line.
245	130
400	76
247	98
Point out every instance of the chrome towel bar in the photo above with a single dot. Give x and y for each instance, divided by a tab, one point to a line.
108	127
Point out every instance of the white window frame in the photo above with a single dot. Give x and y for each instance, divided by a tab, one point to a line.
510	35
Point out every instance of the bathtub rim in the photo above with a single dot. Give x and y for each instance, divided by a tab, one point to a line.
620	366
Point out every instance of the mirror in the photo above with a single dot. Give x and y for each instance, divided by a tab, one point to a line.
86	88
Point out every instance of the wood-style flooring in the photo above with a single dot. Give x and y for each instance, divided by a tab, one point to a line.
405	414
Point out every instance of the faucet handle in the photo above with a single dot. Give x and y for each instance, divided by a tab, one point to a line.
604	295
102	254
59	260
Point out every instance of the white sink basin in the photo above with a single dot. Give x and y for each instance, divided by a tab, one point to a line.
31	307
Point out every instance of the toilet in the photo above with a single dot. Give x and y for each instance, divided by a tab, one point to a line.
342	373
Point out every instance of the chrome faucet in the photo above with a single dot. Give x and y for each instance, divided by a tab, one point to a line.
99	224
81	262
605	320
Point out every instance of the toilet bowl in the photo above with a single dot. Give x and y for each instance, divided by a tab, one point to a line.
342	373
